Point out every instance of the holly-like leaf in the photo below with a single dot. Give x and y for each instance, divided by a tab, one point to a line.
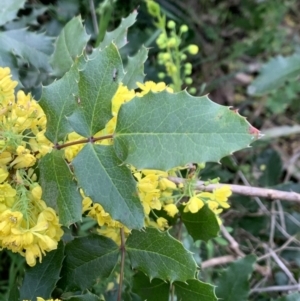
119	35
58	101
159	255
102	177
164	130
98	82
194	289
67	49
59	189
40	280
275	73
33	48
9	10
134	71
202	225
87	259
155	290
234	282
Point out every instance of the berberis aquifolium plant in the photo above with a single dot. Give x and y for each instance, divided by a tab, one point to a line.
103	145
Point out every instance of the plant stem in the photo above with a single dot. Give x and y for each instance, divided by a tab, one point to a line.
122	249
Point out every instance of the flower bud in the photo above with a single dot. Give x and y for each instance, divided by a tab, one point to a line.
193	49
171	24
183	28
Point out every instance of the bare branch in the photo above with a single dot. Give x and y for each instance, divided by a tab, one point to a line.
247	190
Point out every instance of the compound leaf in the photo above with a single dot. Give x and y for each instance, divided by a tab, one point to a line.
159	255
164	130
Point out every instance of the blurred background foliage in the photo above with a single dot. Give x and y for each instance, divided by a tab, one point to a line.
249	58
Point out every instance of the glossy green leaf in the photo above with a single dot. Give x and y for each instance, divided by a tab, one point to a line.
59	188
31	47
102	177
67	49
9	10
155	290
86	260
159	255
275	73
58	101
194	289
40	280
97	87
164	130
134	71
119	35
233	283
202	225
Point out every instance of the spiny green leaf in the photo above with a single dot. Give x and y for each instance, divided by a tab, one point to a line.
159	255
234	282
67	48
87	259
33	50
164	130
59	189
194	289
119	35
102	177
97	87
275	73
202	225
134	71
40	280
156	290
58	101
9	10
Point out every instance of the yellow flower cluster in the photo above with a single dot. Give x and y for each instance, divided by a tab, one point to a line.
42	299
27	225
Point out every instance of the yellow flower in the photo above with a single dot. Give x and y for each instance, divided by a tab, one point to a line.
24	158
221	195
7	193
3	173
166	184
6	87
151	86
193	205
162	223
171	209
122	95
214	206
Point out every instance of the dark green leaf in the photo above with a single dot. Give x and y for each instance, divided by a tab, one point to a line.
87	259
156	290
32	50
59	189
41	279
14	293
102	177
97	87
58	101
275	73
164	130
134	71
9	10
67	48
234	281
119	35
202	225
159	255
84	297
194	289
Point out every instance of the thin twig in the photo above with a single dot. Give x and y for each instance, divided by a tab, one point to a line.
94	17
246	190
122	249
276	289
217	261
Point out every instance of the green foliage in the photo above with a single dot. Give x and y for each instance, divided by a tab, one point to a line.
234	282
9	10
